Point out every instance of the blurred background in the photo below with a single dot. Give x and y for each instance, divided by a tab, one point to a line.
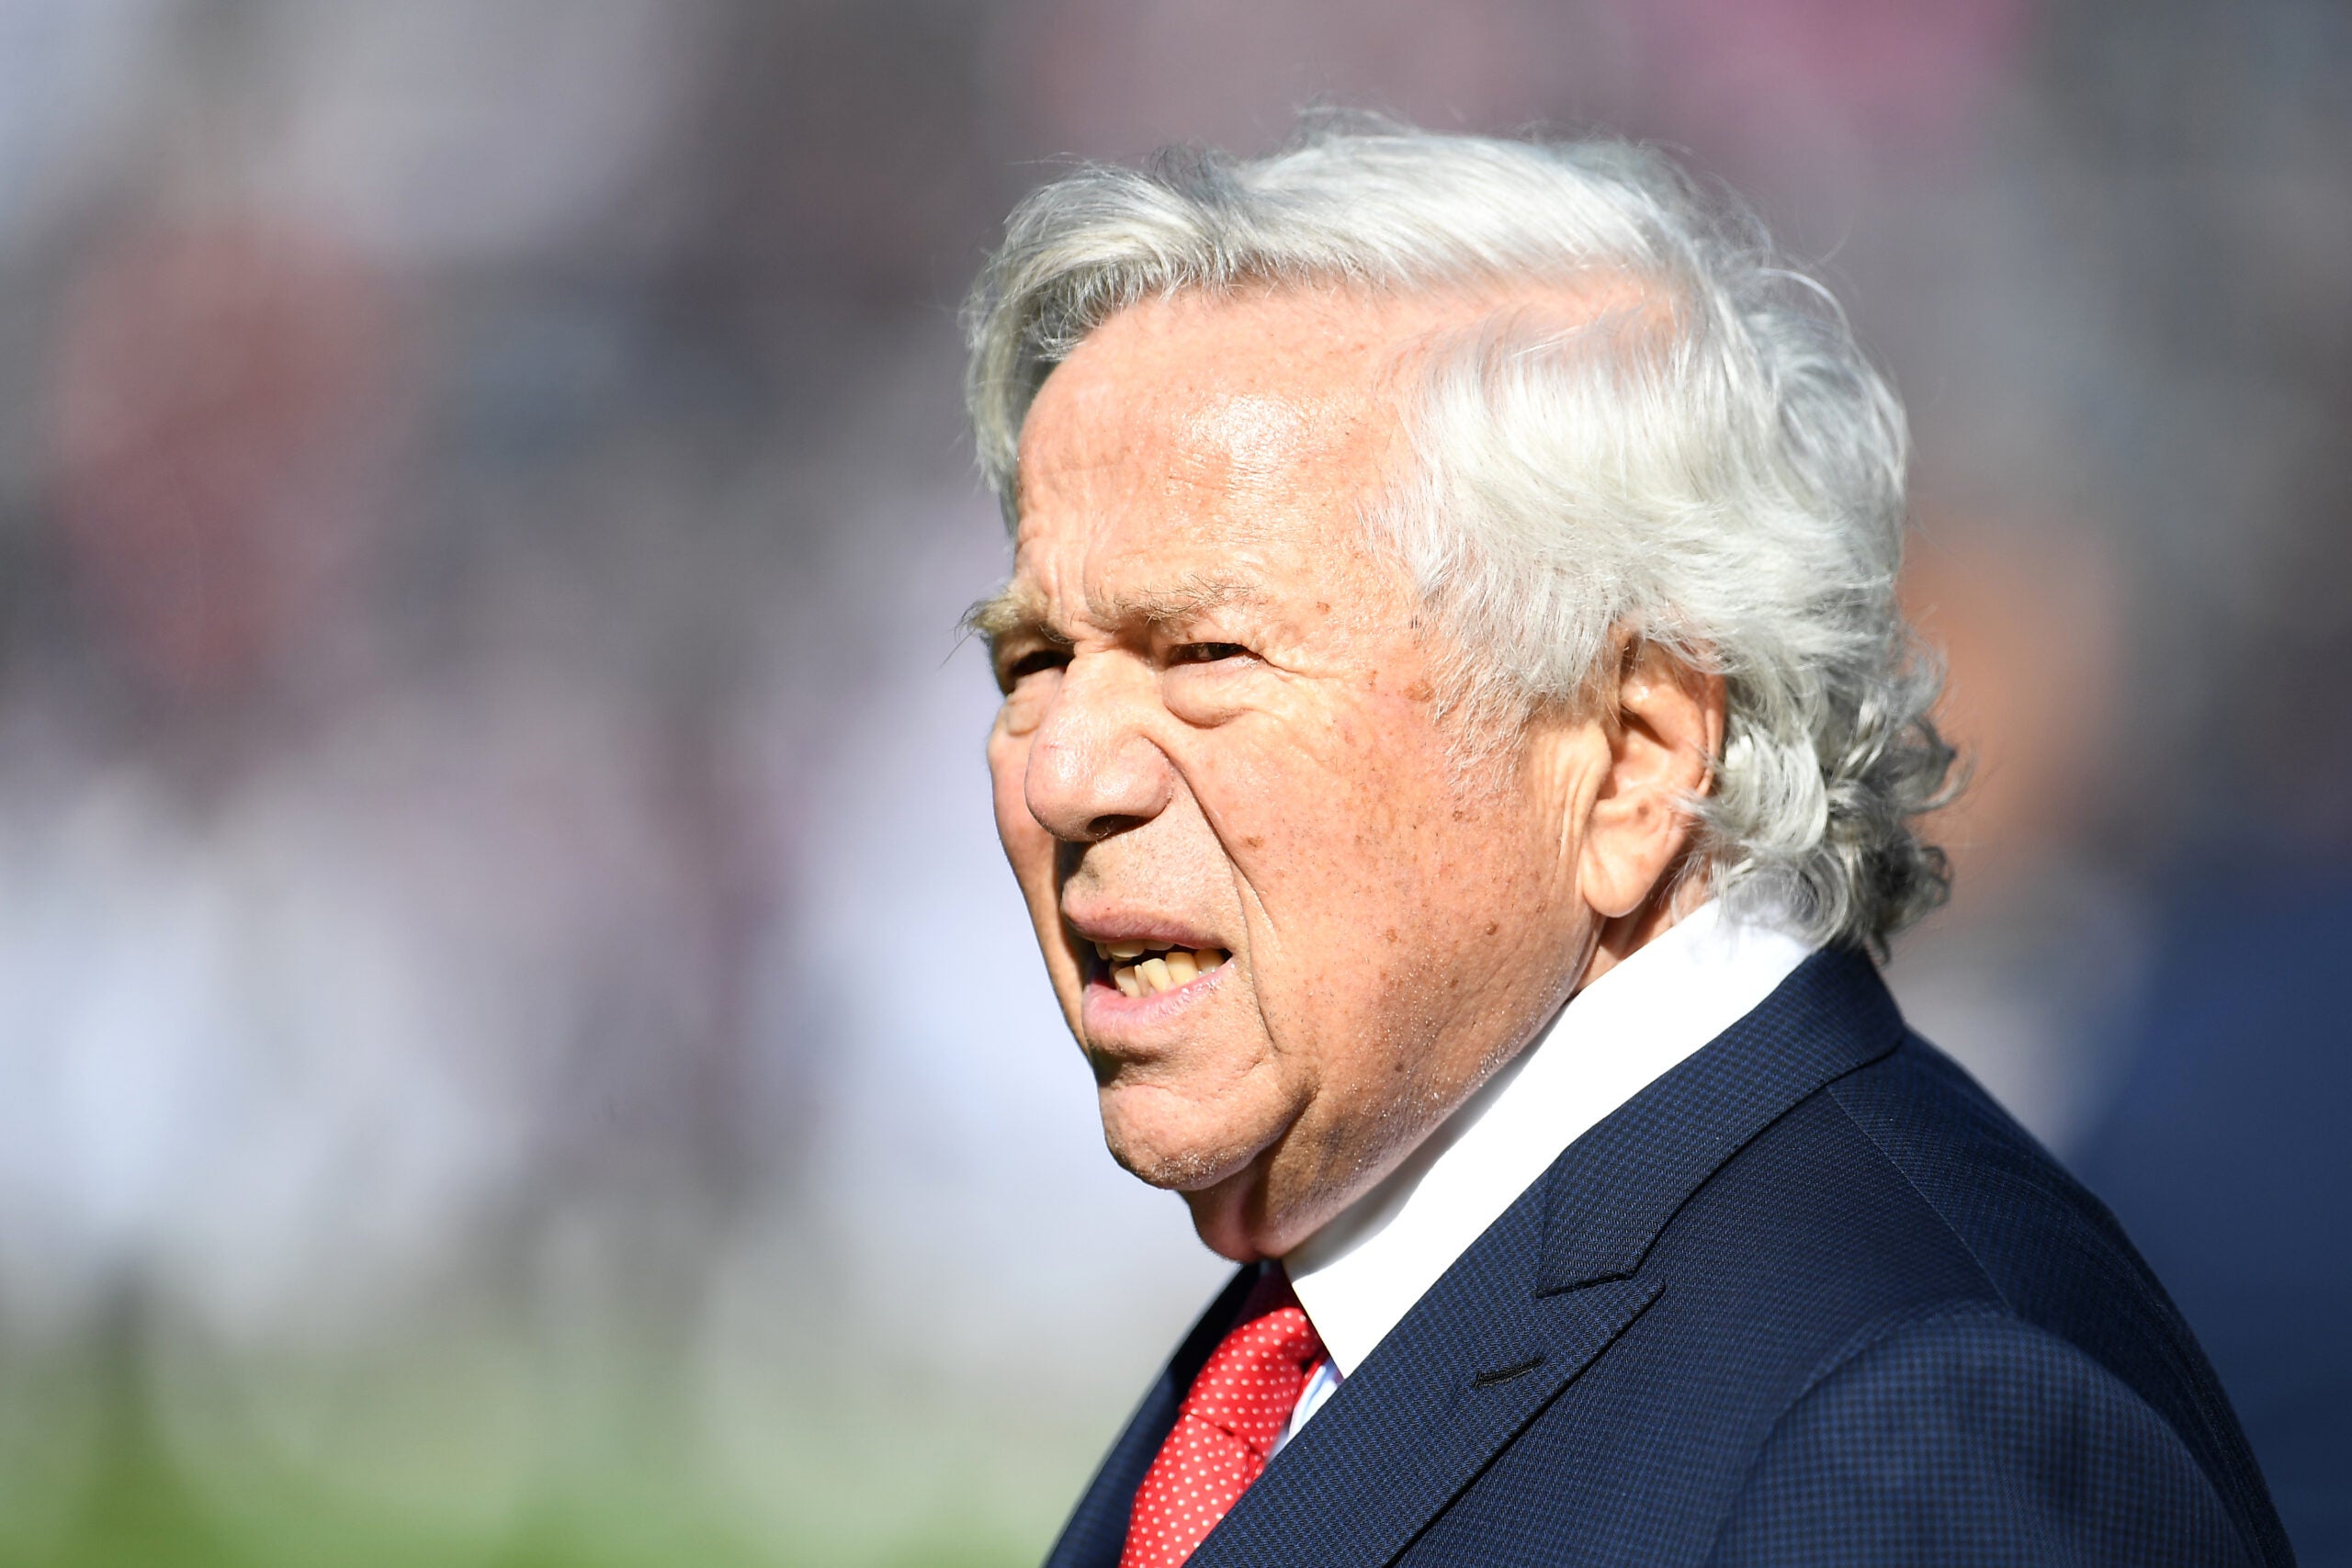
516	1047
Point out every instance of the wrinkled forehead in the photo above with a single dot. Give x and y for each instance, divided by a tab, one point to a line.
1243	431
1210	406
1273	387
1233	438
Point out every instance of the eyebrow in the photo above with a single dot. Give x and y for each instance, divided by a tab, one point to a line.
1189	599
1018	608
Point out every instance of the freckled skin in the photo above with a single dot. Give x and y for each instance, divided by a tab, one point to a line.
1268	774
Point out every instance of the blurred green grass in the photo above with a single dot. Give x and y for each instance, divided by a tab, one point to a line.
945	1495
138	1511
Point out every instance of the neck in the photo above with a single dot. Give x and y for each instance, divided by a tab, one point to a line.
1623	936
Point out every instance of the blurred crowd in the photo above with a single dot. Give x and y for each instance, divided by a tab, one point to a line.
516	1041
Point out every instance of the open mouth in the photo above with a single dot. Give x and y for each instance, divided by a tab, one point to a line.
1147	968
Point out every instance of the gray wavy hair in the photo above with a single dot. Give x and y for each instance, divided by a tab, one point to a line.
1716	469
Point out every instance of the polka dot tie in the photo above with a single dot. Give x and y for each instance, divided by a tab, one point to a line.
1226	1429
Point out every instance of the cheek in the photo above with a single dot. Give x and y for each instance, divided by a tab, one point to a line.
1351	798
1343	829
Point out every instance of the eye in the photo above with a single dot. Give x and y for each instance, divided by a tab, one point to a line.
1036	662
1206	652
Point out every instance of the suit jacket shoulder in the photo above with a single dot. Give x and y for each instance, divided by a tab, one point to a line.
2056	1259
2037	1454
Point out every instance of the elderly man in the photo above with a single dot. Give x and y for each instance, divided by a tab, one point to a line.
1459	749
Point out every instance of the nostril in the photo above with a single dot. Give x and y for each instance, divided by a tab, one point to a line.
1085	788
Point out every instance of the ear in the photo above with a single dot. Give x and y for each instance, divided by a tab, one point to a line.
1664	721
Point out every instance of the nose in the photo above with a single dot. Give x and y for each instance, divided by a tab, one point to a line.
1093	769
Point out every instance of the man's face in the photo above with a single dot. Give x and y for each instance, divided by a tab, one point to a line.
1218	736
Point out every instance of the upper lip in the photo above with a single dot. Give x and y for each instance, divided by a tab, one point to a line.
1119	926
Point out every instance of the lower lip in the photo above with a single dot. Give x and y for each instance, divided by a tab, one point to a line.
1106	1002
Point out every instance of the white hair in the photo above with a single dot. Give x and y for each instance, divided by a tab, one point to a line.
1714	468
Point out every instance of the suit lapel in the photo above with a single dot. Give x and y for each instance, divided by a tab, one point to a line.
1612	1191
1473	1361
1549	1288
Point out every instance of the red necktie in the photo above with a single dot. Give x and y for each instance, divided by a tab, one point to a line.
1226	1428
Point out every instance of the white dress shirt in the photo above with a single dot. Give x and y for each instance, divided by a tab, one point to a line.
1360	1274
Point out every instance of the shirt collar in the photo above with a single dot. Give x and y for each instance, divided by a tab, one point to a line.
1360	1274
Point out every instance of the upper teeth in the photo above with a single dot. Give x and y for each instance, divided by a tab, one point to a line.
1168	967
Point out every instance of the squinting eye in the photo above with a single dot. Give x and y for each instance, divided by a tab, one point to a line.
1206	652
1036	662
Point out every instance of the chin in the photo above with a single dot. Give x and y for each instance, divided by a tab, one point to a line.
1189	1154
1176	1166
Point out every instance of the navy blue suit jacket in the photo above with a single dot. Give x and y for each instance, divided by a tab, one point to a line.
1810	1298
